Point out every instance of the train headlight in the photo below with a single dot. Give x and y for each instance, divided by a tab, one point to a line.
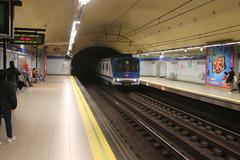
135	80
117	79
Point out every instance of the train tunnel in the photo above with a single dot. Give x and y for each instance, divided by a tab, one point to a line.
84	62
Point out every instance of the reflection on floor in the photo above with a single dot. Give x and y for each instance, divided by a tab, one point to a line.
47	124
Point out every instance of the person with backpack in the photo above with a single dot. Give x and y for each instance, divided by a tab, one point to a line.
8	102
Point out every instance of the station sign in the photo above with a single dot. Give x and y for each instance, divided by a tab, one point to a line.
29	38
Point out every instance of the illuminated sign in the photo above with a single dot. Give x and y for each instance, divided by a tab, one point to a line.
29	38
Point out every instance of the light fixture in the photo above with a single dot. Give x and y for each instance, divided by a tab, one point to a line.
212	45
73	35
76	21
190	48
83	2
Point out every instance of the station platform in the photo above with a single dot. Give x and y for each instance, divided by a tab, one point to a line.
200	92
53	122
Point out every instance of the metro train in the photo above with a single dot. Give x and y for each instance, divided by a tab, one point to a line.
119	70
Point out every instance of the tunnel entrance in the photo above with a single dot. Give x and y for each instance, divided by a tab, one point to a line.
84	62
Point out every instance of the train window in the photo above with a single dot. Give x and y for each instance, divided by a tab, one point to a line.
127	65
134	65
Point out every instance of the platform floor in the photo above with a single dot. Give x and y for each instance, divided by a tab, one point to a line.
202	90
48	125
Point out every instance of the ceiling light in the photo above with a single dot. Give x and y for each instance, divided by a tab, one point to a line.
213	45
84	1
190	48
193	48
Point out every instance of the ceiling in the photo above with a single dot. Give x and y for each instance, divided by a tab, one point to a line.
132	26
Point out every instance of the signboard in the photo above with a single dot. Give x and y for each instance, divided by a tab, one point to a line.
29	38
219	61
4	18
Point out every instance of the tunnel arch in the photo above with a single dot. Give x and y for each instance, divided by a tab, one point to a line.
84	61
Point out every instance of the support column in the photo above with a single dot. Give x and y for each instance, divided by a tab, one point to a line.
4	54
36	56
45	60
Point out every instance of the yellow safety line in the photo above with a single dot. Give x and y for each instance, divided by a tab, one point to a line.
98	143
197	92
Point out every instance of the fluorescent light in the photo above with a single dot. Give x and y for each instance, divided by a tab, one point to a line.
70	47
73	35
84	1
231	43
190	48
193	48
213	45
76	22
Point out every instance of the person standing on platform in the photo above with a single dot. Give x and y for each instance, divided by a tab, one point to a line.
12	75
230	79
8	102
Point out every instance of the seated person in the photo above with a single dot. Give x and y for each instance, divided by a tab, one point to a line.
41	77
34	75
26	77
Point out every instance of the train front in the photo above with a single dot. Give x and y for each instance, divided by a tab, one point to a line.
126	71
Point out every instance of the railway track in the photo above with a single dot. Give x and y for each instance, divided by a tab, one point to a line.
174	133
219	142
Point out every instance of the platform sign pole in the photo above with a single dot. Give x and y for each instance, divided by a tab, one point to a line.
4	54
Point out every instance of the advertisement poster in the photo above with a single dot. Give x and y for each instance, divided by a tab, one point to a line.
219	61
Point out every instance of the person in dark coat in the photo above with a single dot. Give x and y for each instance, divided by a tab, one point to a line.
12	75
8	102
230	79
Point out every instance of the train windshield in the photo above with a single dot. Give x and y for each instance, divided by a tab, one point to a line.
127	65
